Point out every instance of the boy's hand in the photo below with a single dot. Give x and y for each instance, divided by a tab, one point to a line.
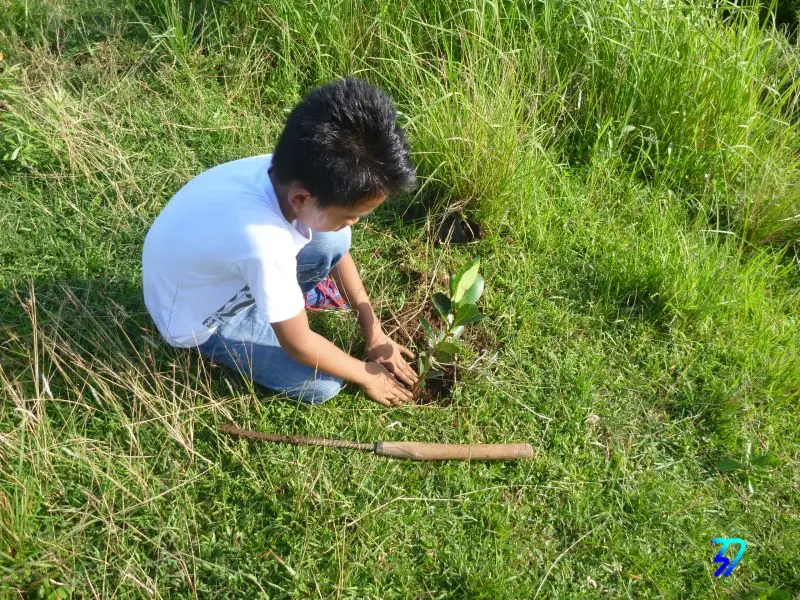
387	352
383	388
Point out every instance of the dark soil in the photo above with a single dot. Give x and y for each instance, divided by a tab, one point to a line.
458	230
405	328
438	389
406	323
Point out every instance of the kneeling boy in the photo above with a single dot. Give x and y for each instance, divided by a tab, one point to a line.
238	254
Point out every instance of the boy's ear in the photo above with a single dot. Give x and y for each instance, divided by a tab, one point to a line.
299	196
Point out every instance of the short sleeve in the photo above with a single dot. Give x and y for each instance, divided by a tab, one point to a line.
274	286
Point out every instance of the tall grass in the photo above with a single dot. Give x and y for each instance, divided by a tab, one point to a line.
686	100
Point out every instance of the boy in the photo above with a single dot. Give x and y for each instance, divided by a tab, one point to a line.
237	255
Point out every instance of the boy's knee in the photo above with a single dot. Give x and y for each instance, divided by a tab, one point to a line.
316	391
337	244
318	258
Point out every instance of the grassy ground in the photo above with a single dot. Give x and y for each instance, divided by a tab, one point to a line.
635	166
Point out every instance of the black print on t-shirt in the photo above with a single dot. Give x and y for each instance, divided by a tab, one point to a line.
241	300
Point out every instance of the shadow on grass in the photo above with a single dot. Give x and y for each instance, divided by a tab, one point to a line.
697	383
452	218
622	296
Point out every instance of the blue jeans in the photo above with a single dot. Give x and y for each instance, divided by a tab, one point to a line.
247	342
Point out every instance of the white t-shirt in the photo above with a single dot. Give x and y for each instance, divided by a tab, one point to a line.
220	244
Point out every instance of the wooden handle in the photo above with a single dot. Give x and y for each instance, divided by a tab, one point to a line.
422	451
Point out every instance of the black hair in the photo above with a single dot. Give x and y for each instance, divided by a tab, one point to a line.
342	142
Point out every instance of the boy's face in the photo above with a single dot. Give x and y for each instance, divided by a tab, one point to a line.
334	218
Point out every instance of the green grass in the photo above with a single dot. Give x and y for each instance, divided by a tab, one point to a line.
635	166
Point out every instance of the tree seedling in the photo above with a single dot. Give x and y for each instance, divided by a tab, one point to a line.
457	310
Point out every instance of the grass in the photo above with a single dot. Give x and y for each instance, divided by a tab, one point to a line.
635	166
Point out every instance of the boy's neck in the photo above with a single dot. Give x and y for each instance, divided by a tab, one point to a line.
282	193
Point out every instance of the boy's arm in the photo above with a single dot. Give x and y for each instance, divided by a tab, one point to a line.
312	349
380	347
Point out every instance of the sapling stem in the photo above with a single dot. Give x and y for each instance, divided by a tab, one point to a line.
430	354
457	310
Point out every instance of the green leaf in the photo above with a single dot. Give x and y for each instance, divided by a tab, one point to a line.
765	460
467	314
457	331
442	304
727	465
428	328
449	347
443	356
433	373
465	277
473	293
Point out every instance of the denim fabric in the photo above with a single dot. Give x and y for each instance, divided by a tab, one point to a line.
247	343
